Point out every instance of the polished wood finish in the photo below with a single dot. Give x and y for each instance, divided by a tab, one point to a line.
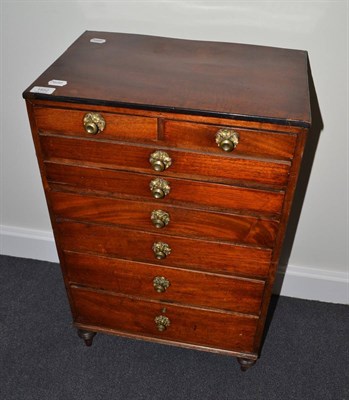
136	158
189	253
124	276
194	193
118	127
227	212
187	222
163	116
209	78
228	331
257	143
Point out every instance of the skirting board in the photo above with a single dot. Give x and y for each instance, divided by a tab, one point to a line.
301	282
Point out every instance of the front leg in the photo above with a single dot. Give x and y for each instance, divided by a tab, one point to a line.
87	336
245	363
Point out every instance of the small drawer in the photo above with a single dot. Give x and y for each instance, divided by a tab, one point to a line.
177	191
216	257
168	219
117	126
226	331
202	137
182	164
165	284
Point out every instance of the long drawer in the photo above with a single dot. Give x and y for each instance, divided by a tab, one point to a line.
229	331
180	221
165	284
185	164
198	194
184	252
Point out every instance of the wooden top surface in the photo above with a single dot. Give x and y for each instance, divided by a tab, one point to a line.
206	78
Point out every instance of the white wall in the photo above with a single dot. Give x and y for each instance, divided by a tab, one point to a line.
35	33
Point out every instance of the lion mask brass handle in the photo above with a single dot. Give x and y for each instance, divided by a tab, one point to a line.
161	250
160	160
227	139
160	218
161	284
162	322
159	188
94	123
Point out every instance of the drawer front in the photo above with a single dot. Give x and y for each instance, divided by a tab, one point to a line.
186	164
117	126
165	284
188	135
185	252
192	326
182	191
180	221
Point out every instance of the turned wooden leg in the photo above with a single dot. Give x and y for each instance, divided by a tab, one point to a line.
245	363
87	336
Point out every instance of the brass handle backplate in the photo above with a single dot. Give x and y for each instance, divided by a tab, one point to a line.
162	322
161	250
227	139
94	123
161	284
160	160
160	218
159	188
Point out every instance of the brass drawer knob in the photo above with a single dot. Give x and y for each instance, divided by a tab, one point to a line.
159	188
160	160
161	250
161	284
162	322
160	218
94	123
227	139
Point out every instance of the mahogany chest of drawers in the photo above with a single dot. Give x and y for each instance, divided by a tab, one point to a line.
169	168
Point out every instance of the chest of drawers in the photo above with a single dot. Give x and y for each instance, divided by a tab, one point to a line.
169	168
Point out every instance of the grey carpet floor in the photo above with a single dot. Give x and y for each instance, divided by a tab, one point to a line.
305	354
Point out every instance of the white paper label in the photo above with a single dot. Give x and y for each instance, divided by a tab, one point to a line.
56	82
96	40
42	89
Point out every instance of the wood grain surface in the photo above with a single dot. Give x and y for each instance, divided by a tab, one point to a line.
219	257
186	287
211	78
228	211
183	221
184	164
117	126
201	137
184	192
217	329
